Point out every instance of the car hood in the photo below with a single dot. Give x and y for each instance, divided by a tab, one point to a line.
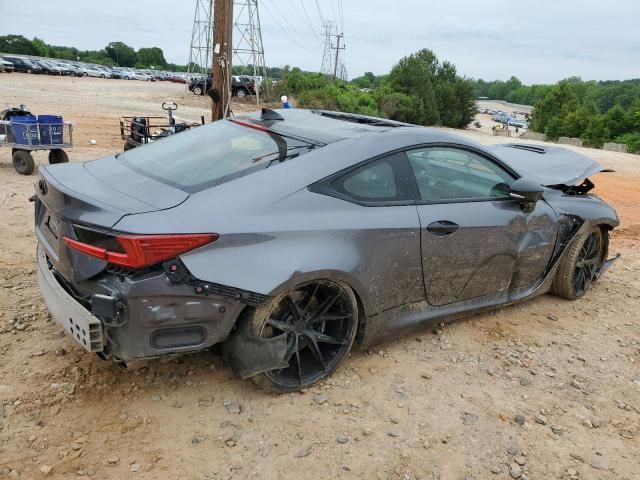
547	165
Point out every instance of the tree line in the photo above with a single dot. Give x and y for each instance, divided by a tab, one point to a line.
420	89
114	54
595	111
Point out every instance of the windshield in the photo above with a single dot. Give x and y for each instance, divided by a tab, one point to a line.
211	154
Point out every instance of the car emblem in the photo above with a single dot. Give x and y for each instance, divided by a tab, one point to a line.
42	186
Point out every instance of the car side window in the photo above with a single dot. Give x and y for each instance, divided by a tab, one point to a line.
446	174
385	180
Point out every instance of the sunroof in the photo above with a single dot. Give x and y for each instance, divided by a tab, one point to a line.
361	119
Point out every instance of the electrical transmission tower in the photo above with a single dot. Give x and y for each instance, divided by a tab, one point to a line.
248	52
328	32
201	47
332	58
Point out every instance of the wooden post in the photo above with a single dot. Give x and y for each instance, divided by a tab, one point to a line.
221	68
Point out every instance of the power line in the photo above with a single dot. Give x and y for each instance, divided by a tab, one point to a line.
333	9
319	11
274	5
309	22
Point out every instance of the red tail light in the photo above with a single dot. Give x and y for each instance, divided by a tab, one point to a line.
139	251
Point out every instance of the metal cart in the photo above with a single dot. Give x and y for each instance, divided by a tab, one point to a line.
137	131
24	133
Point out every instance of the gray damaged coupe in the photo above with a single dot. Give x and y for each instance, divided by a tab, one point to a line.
288	236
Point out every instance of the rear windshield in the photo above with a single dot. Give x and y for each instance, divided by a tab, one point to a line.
211	154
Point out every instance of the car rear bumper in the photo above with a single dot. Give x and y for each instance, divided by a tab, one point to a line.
85	329
128	317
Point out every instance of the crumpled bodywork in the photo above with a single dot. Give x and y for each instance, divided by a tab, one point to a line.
275	231
548	165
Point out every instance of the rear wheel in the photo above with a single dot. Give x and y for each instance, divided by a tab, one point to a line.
241	93
580	266
23	162
320	321
58	156
197	90
28	70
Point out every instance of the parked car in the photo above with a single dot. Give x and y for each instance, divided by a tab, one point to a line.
5	66
502	117
135	75
364	229
93	71
22	64
64	68
116	73
177	79
516	122
200	85
48	67
72	69
240	85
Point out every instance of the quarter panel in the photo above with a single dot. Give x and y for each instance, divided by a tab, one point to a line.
374	249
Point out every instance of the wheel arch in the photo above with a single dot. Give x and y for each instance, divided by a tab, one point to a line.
344	278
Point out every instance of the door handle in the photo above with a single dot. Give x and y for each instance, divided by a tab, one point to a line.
442	228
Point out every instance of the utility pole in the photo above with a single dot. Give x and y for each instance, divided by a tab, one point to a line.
338	48
222	48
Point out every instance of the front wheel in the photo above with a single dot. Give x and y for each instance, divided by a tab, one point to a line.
320	321
197	90
581	264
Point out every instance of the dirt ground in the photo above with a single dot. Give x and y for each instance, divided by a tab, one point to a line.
545	389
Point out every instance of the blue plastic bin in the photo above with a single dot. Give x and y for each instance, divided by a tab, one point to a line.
24	128
51	129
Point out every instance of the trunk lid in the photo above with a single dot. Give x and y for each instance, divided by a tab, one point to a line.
94	194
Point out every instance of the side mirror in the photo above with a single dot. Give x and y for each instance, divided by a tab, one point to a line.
526	191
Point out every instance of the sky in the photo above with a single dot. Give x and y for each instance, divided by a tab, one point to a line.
538	41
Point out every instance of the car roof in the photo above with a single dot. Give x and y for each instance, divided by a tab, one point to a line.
324	126
320	126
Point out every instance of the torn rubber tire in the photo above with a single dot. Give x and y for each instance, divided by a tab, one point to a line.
319	321
581	264
23	162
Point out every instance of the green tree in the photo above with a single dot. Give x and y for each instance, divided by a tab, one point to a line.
556	103
403	108
17	44
40	47
596	133
151	57
445	98
121	53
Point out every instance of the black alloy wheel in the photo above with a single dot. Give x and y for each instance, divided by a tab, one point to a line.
320	321
580	265
587	263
